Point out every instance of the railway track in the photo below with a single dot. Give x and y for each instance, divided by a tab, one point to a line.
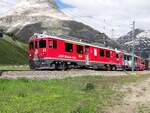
49	75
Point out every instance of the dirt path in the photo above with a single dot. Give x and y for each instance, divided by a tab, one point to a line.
136	98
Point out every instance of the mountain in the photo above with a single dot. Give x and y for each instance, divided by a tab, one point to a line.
12	52
36	16
128	36
141	42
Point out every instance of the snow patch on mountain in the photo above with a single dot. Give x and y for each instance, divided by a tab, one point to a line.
37	16
141	38
37	8
145	34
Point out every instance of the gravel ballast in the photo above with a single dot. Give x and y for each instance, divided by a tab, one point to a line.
48	75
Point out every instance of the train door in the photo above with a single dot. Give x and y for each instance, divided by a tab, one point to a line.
42	49
31	50
87	55
120	59
36	57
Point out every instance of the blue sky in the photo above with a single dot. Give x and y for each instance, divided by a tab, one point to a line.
113	17
63	5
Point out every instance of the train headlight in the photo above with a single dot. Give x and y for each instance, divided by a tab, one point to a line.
80	56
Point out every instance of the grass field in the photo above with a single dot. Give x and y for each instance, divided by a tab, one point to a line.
71	95
12	52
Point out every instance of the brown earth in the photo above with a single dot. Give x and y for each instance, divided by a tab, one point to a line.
136	98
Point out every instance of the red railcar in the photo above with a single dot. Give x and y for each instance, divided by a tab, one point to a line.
49	52
125	60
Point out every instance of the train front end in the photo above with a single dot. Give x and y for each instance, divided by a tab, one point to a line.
37	53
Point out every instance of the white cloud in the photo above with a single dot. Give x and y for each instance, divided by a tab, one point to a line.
118	14
5	5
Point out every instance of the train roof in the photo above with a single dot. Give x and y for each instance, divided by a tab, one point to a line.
35	36
126	53
130	54
65	38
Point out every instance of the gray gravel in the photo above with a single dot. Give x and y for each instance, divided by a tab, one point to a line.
48	75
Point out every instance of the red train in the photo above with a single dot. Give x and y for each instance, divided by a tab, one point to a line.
49	52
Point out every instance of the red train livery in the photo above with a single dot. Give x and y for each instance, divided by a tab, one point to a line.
49	52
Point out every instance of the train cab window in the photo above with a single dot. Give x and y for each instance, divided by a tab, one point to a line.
108	54
101	53
135	59
52	44
36	44
128	58
125	57
79	49
68	47
117	55
42	44
31	45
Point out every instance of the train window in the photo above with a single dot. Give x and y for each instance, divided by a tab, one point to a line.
125	58
101	53
42	44
68	47
31	45
36	44
117	55
50	43
54	43
135	59
128	58
79	49
108	54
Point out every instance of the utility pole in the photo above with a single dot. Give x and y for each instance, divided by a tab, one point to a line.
104	38
133	39
112	33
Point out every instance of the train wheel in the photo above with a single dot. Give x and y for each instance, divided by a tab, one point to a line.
61	66
113	68
109	68
123	68
32	68
64	67
53	66
95	67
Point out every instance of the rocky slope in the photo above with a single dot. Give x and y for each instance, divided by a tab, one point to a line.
36	16
141	41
